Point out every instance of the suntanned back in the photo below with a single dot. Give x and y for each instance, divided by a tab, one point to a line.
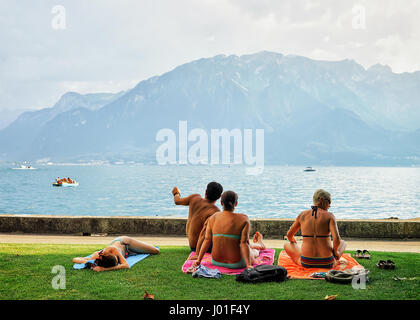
226	249
318	247
232	223
199	211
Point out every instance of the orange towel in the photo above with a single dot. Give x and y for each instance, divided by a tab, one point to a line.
298	272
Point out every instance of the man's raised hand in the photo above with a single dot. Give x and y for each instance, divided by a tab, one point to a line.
175	191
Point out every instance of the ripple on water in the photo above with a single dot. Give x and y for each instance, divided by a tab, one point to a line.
280	192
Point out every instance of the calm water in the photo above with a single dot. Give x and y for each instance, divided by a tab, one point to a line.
280	192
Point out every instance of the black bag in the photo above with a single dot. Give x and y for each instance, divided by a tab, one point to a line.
263	273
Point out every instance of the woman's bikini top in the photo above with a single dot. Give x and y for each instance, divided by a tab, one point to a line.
314	214
233	236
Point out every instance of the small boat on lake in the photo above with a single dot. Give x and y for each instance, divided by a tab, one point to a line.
65	183
309	169
23	167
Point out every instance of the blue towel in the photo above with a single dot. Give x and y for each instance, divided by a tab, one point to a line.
204	272
131	260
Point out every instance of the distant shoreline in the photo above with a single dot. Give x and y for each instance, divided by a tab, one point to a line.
5	163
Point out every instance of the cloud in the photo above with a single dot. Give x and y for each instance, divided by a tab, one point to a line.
109	46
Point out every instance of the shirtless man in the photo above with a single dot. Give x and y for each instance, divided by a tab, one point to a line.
199	211
316	225
229	232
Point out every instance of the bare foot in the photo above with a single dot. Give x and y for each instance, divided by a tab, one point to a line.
341	263
194	257
191	269
258	240
257	237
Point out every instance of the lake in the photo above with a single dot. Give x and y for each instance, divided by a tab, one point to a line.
145	190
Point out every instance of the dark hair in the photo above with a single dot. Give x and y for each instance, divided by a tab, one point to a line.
107	261
214	190
229	199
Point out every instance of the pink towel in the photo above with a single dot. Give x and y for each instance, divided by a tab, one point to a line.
266	257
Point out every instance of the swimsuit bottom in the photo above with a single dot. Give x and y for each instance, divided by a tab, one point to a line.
327	263
129	251
237	265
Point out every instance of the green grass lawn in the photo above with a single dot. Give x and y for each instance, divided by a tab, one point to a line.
25	273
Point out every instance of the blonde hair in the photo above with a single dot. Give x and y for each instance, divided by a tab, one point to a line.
321	194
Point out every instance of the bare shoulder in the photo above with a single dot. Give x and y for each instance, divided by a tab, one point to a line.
214	216
243	217
195	197
303	214
330	215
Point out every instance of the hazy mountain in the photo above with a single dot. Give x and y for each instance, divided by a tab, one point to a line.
7	116
18	138
312	112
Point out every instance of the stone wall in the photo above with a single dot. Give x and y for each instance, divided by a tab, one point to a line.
270	228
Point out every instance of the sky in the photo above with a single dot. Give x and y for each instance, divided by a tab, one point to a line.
51	47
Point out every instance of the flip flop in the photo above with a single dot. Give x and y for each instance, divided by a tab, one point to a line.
390	264
365	254
381	264
358	254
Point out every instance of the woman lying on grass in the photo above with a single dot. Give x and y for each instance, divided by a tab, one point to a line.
113	256
230	234
316	226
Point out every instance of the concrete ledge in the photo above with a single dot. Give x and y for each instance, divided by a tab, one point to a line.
270	228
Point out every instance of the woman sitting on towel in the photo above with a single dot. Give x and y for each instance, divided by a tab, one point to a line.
113	256
230	234
317	226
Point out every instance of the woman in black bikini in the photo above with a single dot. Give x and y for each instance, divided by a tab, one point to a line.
113	256
317	226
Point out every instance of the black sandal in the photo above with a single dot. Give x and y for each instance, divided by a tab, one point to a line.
390	264
366	254
358	254
381	264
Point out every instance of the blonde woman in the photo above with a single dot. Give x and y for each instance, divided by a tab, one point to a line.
317	226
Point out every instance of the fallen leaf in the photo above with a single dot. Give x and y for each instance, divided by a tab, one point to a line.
148	296
333	297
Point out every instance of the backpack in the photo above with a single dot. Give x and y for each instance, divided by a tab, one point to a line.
263	273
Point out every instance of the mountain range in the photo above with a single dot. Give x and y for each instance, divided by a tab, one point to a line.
312	112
